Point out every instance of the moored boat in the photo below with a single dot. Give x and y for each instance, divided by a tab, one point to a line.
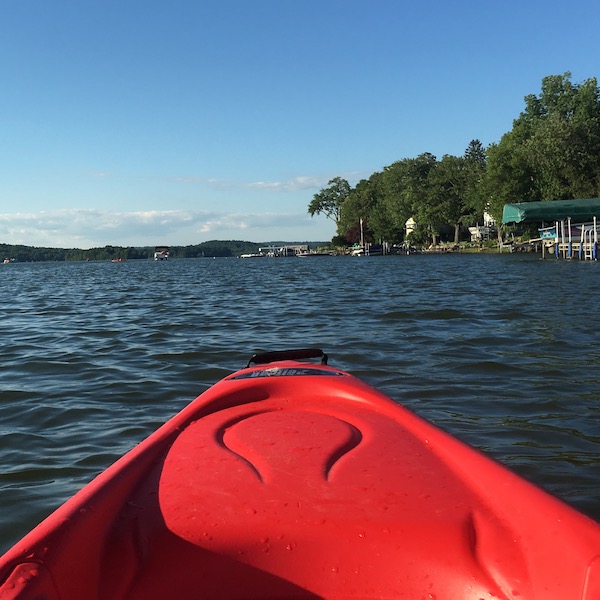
161	252
312	253
290	479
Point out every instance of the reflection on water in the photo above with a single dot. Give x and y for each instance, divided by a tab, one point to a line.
502	351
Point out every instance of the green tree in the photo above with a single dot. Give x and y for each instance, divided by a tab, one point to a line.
551	152
509	177
397	193
354	209
476	200
447	183
406	192
564	147
367	202
553	149
412	196
329	200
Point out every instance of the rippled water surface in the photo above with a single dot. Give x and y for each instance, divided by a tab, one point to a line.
501	350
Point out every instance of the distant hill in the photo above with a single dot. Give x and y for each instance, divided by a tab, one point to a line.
214	248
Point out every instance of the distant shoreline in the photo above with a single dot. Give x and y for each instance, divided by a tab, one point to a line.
212	248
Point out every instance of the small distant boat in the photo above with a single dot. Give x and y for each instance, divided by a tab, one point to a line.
161	252
117	260
311	253
359	249
253	255
367	250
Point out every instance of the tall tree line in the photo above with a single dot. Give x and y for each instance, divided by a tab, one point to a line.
551	153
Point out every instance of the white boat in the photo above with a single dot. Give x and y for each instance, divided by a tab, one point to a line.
311	253
161	252
567	232
367	250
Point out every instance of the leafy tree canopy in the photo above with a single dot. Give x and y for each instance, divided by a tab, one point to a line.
553	149
552	152
329	200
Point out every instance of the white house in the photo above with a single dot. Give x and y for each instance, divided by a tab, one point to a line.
479	233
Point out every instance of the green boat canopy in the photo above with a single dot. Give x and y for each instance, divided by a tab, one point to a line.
551	210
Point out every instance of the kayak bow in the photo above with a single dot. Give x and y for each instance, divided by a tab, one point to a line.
290	479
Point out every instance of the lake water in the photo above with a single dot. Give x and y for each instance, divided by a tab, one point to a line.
503	351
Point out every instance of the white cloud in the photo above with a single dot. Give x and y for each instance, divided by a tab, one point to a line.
191	179
297	183
302	182
79	228
291	185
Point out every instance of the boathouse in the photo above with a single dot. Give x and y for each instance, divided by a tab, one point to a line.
568	228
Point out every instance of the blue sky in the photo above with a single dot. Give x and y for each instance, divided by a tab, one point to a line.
143	122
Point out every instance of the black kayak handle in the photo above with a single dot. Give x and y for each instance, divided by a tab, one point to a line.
300	354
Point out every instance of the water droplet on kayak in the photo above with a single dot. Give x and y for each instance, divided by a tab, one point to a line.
361	535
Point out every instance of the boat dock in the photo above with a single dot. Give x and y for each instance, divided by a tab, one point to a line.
574	233
570	240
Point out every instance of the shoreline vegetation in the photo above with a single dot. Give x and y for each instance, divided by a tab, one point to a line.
210	249
224	249
551	153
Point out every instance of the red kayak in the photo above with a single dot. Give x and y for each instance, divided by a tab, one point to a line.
290	479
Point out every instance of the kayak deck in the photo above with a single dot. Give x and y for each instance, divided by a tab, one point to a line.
296	481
